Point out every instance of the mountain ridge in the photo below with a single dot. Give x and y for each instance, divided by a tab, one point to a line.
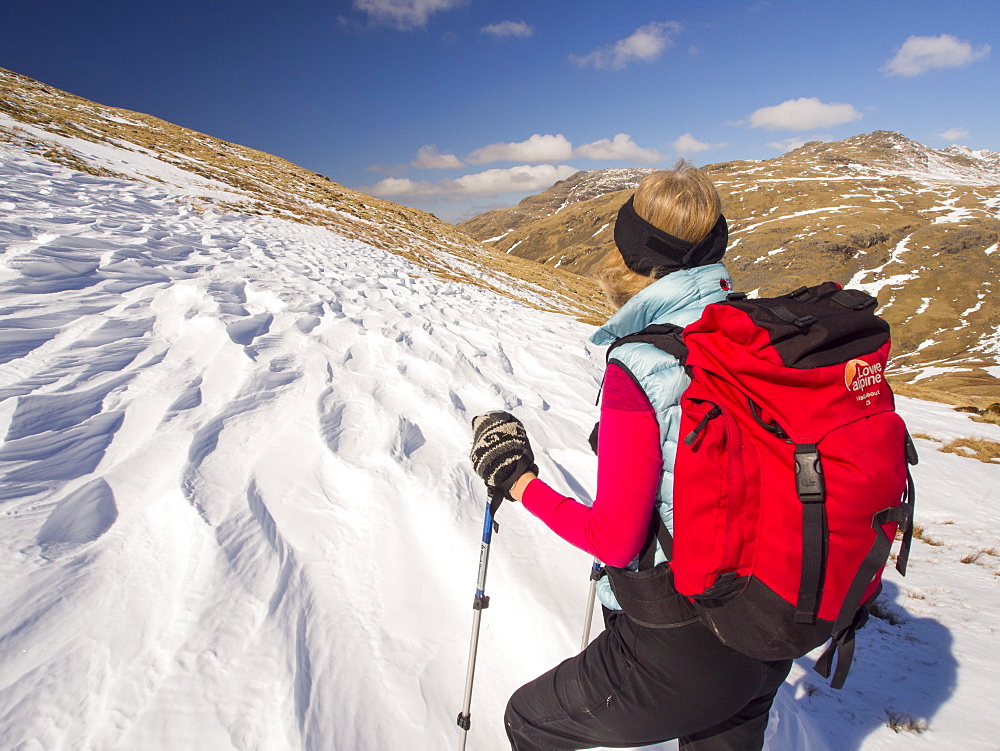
109	141
877	211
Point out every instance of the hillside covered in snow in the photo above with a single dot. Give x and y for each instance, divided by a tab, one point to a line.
237	510
110	142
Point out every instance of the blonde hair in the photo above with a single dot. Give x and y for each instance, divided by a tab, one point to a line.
682	202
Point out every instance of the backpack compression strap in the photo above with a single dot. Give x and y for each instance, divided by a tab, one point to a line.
812	493
852	614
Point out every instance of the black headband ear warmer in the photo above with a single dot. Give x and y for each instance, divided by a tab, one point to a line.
646	248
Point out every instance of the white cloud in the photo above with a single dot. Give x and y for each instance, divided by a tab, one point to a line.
921	54
403	14
954	134
508	29
688	145
537	149
645	44
803	114
401	186
524	178
621	148
550	149
789	144
429	158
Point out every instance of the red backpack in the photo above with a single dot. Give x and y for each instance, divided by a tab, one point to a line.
791	477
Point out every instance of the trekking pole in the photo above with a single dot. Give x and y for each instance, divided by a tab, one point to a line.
480	603
595	574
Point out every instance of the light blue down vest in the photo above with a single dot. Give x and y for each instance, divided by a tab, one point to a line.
677	298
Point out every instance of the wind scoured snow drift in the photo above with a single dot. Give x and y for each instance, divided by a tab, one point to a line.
237	509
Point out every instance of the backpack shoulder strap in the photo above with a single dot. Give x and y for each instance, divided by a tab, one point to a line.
664	336
668	338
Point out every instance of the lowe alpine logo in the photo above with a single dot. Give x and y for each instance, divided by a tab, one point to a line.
864	380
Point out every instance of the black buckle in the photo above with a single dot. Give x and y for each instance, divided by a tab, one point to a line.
809	474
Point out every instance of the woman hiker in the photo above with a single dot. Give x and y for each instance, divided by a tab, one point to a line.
636	685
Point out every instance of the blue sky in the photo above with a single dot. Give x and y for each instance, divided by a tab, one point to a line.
459	106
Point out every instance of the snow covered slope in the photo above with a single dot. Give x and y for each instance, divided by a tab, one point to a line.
236	510
111	142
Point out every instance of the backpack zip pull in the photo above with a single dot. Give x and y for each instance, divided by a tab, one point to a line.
714	412
771	427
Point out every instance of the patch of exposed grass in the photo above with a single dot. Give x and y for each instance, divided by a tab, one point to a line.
989	415
926	437
67	159
921	534
990	418
975	448
974	557
900	722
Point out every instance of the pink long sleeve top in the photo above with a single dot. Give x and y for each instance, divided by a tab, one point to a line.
629	463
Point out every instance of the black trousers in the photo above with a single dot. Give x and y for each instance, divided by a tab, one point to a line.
635	686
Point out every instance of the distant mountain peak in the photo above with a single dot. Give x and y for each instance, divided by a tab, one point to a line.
587	184
889	152
991	158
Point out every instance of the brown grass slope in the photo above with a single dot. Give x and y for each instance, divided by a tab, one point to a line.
918	227
265	184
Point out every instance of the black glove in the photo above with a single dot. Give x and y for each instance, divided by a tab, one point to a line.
500	451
